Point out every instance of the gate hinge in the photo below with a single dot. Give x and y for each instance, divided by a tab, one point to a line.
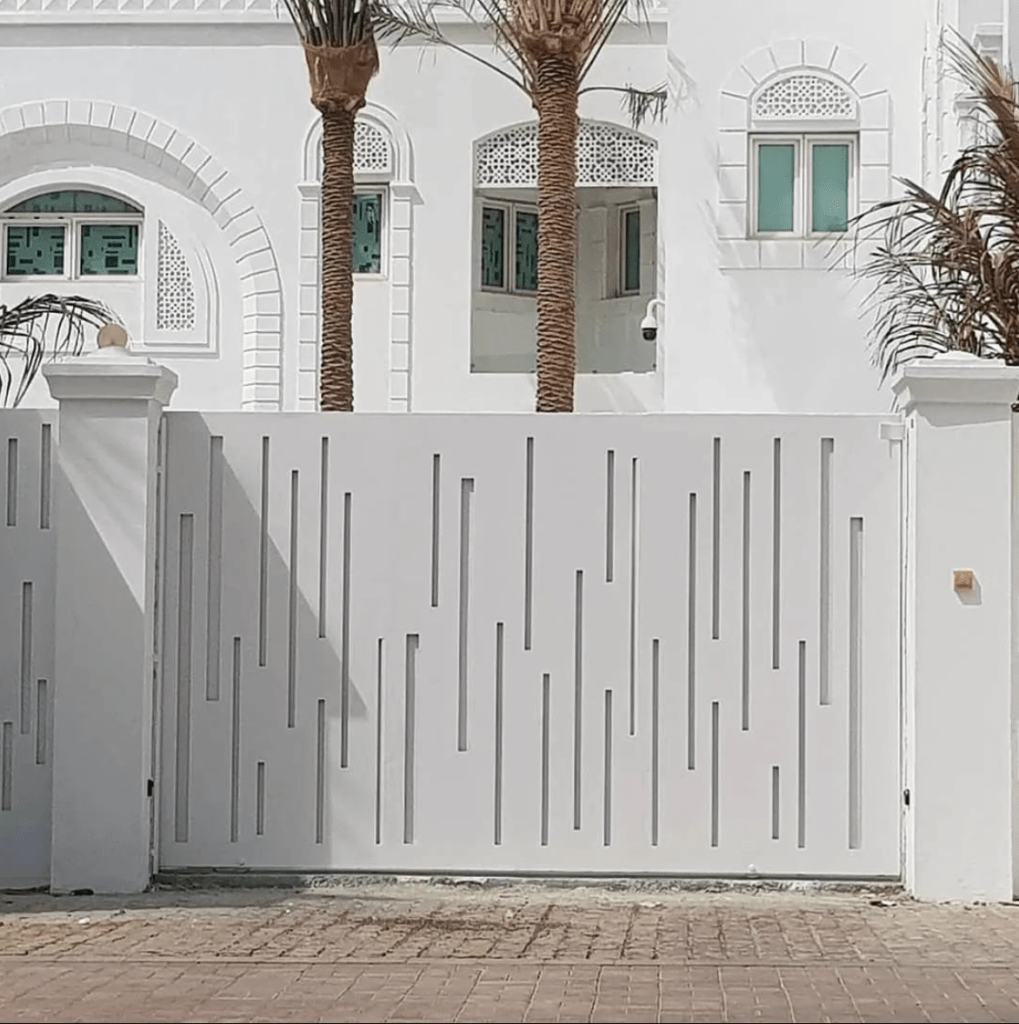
893	431
905	797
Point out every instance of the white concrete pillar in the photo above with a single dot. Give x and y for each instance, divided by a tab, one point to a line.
105	521
959	642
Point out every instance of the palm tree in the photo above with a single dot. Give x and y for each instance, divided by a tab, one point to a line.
25	330
946	266
339	45
550	47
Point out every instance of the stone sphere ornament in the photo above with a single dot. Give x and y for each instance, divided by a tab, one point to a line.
112	336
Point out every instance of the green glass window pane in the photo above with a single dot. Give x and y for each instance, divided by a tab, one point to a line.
368	233
631	251
776	182
109	249
830	199
73	201
35	249
527	252
493	247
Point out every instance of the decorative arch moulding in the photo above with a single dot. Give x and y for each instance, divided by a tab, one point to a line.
209	184
796	86
382	148
383	157
607	155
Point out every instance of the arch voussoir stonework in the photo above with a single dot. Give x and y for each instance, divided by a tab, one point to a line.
837	91
210	184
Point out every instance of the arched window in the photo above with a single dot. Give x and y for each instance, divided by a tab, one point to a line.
71	234
803	145
803	168
103	245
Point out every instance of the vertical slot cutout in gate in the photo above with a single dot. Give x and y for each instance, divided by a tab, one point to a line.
26	658
45	475
215	567
578	694
185	599
855	683
292	601
463	611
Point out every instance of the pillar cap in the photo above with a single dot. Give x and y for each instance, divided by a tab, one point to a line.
956	378
110	374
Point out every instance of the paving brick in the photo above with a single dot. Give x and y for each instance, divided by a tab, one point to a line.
418	953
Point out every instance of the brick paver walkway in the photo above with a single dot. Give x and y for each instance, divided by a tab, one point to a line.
414	952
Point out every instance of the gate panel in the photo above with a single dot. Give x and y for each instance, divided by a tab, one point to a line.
499	643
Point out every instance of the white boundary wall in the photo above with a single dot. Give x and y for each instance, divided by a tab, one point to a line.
27	585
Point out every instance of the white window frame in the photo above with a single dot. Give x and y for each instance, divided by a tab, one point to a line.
621	211
72	224
804	144
377	189
509	258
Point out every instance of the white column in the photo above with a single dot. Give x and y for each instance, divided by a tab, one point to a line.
105	521
959	642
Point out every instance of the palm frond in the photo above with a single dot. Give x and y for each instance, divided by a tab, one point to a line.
947	270
416	21
522	31
53	325
639	104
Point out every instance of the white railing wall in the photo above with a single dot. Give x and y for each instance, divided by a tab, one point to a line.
27	582
615	644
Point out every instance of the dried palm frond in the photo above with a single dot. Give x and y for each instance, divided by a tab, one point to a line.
947	269
51	325
525	31
336	23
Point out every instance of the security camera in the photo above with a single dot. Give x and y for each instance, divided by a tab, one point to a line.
649	325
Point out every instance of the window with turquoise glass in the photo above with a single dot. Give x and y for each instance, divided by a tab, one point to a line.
526	251
35	250
109	249
776	187
493	247
631	251
368	233
830	187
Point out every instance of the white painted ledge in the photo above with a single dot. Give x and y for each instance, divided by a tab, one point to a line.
110	374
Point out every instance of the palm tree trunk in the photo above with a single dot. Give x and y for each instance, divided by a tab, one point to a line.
336	373
555	96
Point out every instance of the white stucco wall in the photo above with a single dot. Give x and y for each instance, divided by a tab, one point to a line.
222	96
235	85
765	338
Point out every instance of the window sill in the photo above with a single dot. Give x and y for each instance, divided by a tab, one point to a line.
784	254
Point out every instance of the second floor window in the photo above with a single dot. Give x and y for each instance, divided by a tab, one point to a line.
802	185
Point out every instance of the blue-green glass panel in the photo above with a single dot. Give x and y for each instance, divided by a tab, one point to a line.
830	176
368	233
73	201
35	249
631	251
776	185
527	252
493	247
109	249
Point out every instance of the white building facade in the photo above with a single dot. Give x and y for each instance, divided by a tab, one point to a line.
165	157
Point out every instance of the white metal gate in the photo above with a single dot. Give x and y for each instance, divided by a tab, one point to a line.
662	643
